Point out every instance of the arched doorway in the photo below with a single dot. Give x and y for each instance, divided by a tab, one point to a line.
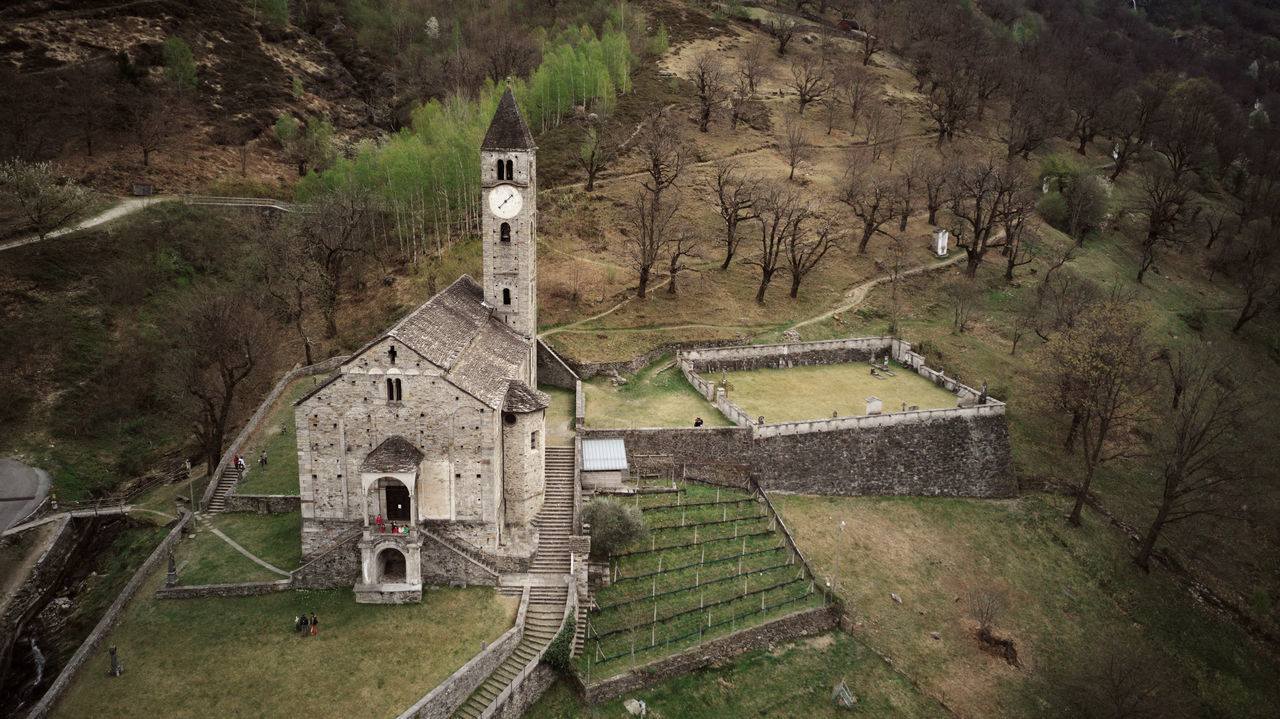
391	566
395	501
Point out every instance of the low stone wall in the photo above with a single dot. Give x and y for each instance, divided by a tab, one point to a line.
792	354
799	624
237	445
441	564
264	503
552	369
108	621
243	589
445	699
528	692
587	370
658	449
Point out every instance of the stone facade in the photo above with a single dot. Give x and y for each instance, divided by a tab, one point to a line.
438	420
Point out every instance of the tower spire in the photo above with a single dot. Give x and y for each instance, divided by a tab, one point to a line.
508	130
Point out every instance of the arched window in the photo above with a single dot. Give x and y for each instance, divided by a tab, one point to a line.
502	166
504	232
510	175
393	390
398	390
506	296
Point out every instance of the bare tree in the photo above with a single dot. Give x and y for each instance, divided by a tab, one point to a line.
962	293
1201	443
683	245
985	196
780	212
935	178
732	193
810	79
739	96
1254	263
1100	369
665	154
292	276
871	197
874	20
752	66
782	29
1125	680
337	229
1018	237
150	118
41	194
709	84
1086	199
795	144
595	152
1165	208
223	344
1035	107
806	249
854	87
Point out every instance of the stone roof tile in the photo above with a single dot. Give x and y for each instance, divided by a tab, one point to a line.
522	398
395	454
508	130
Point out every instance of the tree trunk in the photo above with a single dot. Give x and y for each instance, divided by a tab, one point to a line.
971	264
795	286
644	283
591	180
1143	558
1248	312
764	285
1070	443
1074	519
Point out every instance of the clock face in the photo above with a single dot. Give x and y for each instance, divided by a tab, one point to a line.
505	201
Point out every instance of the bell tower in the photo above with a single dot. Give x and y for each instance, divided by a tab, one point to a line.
508	164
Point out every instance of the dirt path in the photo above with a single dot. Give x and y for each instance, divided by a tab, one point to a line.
859	293
115	212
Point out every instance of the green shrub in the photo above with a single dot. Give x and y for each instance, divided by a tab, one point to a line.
559	651
179	64
1054	210
660	43
614	526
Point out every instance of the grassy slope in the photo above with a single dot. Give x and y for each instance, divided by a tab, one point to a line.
275	436
559	415
1067	594
792	680
240	657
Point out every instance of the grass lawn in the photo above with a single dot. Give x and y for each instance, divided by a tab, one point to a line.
559	415
275	435
273	537
650	399
814	392
239	657
1066	594
792	679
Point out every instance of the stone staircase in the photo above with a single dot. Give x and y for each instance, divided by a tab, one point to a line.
548	591
227	481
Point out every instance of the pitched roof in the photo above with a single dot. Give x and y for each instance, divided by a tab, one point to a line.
508	131
395	454
522	398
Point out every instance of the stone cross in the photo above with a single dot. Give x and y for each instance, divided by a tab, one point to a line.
982	398
116	667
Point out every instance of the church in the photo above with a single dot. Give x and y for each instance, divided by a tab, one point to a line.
426	445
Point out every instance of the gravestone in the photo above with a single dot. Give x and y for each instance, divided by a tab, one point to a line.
874	405
172	578
116	667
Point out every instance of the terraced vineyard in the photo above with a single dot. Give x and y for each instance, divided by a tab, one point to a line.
714	563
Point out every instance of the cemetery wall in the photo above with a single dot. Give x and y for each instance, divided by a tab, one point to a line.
799	624
587	370
791	354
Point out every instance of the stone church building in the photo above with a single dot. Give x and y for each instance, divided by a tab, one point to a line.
437	427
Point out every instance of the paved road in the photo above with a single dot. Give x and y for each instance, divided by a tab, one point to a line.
22	488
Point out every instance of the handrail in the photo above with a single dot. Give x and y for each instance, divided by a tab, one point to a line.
460	552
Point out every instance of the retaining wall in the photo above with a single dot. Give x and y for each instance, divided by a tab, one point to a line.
44	573
109	619
799	624
263	503
587	370
552	369
243	589
445	699
791	354
238	443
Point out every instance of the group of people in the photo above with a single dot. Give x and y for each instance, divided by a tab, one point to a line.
304	625
395	528
239	462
